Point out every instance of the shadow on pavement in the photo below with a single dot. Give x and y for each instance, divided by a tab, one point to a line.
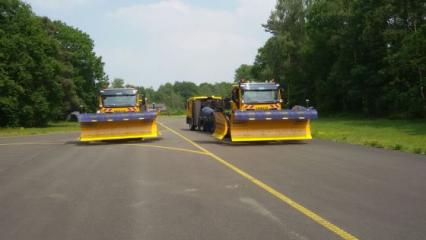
114	142
196	131
228	142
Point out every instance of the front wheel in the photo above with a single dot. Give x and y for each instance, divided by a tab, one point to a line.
213	125
203	127
191	127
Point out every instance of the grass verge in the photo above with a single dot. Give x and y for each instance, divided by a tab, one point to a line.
408	136
59	127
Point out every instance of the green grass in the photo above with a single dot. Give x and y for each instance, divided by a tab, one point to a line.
59	127
408	136
163	115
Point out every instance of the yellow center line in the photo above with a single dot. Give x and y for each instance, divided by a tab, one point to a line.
340	232
169	148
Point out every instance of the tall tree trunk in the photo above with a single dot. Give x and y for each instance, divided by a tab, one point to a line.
422	90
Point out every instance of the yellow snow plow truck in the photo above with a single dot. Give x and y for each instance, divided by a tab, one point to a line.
257	115
122	114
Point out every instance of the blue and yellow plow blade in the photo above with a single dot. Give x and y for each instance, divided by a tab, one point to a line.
221	125
267	125
116	126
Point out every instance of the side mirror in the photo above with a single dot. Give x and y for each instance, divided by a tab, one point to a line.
282	100
227	103
282	93
234	95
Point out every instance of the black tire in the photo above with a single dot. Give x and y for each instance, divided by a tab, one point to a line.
192	127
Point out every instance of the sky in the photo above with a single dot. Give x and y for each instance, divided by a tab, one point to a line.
152	42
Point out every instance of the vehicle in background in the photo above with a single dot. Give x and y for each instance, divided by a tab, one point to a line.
199	112
160	107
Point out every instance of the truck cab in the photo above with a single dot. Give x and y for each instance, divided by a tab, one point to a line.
257	96
121	100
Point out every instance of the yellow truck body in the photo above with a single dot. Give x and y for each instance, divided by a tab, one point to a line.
257	115
122	114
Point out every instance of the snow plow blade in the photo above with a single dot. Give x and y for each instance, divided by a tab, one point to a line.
271	125
116	126
221	125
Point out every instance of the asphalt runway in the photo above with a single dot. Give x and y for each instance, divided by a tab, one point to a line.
187	185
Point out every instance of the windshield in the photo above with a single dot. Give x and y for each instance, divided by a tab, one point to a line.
120	101
260	96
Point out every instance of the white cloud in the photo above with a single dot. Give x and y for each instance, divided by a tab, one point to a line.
57	4
167	40
256	8
171	40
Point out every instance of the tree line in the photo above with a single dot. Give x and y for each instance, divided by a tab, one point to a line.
47	68
174	95
347	56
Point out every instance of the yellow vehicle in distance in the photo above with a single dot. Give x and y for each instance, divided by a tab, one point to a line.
257	114
122	114
199	112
